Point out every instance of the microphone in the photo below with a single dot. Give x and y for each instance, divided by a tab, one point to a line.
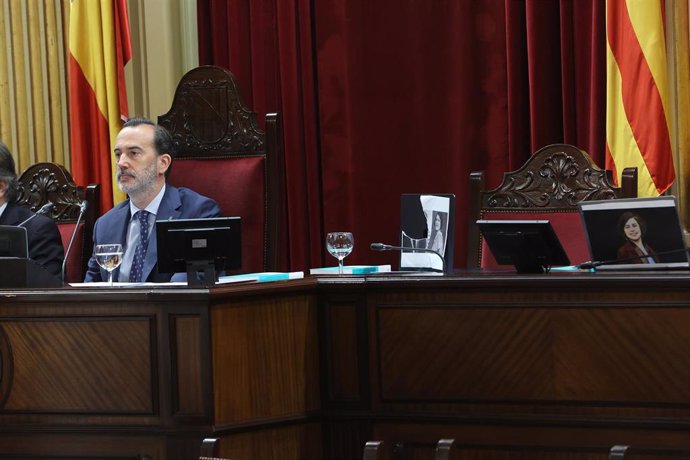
45	209
388	247
82	208
593	264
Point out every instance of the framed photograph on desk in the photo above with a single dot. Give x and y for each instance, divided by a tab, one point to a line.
427	228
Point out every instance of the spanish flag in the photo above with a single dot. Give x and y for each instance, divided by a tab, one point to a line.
99	48
637	106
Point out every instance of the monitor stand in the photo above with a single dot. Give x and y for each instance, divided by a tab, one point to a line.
524	260
528	266
206	267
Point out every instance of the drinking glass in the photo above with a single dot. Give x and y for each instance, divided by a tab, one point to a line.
109	257
339	245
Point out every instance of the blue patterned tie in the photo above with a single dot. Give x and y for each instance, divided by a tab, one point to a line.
137	269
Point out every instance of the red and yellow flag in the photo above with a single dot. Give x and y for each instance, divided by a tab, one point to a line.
637	106
99	46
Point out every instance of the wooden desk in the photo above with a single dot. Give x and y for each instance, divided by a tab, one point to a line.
120	373
554	366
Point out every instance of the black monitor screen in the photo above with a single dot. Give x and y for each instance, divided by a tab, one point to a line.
212	240
530	245
13	242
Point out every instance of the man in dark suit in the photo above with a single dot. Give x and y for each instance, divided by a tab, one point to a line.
45	243
144	153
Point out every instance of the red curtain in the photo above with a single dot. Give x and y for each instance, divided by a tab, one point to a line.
390	97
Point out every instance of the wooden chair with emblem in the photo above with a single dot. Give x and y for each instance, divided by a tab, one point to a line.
51	182
222	153
549	186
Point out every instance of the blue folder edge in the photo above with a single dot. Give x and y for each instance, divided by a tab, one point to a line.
351	270
260	277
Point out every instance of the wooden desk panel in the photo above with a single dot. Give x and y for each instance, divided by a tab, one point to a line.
66	365
80	365
148	373
559	366
613	356
189	379
265	359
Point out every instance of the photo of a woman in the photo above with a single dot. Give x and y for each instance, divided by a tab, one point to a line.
633	229
437	241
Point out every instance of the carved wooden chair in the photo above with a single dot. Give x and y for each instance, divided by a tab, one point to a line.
548	186
222	153
44	182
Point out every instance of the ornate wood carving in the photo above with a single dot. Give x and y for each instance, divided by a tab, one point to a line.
208	119
557	177
45	182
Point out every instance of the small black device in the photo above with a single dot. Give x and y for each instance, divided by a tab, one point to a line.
13	242
530	245
208	245
18	271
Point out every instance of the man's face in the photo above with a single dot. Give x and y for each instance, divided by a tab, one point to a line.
139	167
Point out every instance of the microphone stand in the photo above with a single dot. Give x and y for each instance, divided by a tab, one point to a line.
82	208
388	247
45	209
593	264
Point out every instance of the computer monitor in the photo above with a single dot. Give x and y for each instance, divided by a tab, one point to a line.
657	223
199	245
13	242
530	245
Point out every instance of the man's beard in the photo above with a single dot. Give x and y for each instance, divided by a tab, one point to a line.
144	181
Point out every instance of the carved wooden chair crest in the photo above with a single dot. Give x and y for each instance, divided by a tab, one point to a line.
222	153
51	182
549	186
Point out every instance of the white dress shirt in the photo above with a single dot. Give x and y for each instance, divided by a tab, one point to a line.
133	233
